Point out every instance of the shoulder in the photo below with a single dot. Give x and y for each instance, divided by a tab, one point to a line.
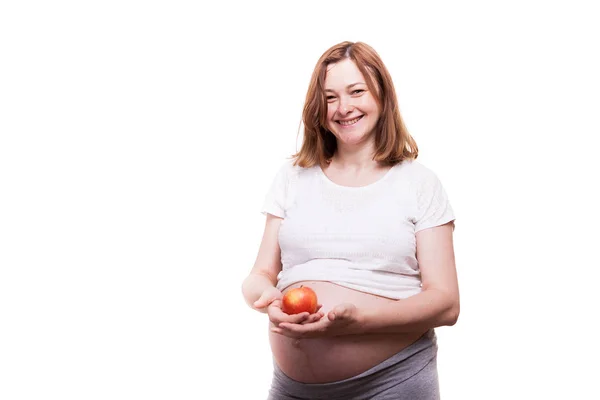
416	167
290	171
287	169
287	174
416	172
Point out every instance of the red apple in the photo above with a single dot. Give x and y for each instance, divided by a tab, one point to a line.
299	300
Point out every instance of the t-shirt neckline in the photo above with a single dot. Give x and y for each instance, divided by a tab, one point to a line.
370	185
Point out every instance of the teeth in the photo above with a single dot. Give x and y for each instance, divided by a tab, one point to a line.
346	123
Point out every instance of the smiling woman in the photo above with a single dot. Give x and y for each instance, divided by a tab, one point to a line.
352	110
357	219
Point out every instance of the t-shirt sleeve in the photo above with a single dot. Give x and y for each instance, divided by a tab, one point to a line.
433	207
275	199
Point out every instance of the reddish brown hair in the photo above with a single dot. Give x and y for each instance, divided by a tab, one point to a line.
393	143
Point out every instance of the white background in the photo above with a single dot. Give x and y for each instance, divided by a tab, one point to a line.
138	140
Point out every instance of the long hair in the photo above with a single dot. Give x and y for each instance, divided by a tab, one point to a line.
393	143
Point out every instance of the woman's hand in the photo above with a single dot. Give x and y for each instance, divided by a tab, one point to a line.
341	320
268	296
278	317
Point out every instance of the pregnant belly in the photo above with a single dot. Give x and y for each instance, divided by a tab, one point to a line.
322	360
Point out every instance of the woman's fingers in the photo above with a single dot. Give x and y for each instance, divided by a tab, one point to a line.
313	318
342	311
277	316
267	297
297	318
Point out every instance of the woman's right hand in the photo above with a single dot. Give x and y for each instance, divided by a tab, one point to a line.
271	300
277	316
268	296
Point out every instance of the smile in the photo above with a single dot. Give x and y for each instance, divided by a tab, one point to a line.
349	122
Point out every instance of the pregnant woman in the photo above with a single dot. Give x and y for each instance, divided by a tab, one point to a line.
356	218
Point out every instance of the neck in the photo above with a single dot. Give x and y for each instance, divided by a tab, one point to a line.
355	157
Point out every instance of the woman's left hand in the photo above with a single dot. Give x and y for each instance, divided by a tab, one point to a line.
341	320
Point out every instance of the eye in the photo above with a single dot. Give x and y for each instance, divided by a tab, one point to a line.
357	91
330	98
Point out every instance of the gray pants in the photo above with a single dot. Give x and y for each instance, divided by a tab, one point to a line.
409	374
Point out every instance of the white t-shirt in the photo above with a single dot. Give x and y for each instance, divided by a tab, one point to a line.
362	238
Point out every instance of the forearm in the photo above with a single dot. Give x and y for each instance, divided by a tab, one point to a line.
428	309
253	287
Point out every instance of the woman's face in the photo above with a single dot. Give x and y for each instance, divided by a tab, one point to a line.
352	110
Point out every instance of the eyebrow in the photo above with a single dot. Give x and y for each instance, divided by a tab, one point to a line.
347	87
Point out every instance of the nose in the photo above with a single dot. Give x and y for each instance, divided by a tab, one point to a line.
344	106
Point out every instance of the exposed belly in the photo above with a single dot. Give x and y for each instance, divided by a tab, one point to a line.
324	360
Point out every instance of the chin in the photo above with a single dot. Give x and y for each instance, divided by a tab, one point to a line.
351	138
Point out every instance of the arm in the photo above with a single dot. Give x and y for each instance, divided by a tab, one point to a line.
437	305
267	266
259	288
